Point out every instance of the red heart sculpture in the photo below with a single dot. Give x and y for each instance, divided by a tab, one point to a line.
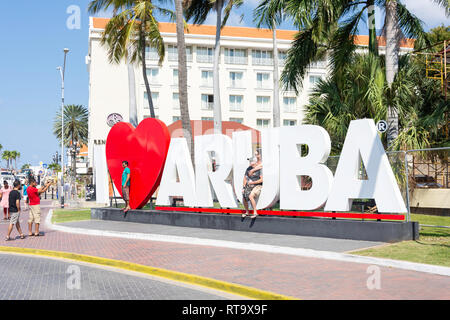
145	148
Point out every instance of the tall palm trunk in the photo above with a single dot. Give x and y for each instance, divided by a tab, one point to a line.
392	50
132	93
144	72
276	80
217	104
373	47
182	79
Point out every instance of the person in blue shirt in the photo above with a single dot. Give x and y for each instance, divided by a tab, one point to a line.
25	195
126	175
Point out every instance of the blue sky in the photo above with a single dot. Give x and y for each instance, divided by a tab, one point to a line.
33	35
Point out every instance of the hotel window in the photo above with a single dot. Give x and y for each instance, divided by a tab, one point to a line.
262	58
282	55
207	101
313	81
173	53
235	56
289	104
175	77
320	64
205	55
262	80
262	123
155	99
176	100
151	53
207	78
236	79
153	75
289	123
236	103
238	120
262	104
207	119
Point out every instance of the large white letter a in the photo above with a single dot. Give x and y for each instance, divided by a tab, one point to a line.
362	139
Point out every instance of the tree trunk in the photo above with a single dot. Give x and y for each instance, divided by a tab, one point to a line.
373	46
217	104
182	79
132	93
144	72
392	50
276	80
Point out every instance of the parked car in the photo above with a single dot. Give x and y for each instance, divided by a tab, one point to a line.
5	175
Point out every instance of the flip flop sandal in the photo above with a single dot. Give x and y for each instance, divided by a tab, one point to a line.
7	239
37	235
22	236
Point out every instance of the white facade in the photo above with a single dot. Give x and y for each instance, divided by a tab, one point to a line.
246	82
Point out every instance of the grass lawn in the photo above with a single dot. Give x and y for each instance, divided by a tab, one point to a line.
433	246
60	216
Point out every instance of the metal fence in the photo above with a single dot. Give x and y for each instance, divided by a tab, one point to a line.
417	172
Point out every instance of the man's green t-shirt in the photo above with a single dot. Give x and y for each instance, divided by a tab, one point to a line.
125	174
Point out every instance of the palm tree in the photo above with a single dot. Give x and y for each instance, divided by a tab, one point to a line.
129	31
331	26
182	78
198	10
270	13
14	156
6	155
396	15
97	6
75	129
361	90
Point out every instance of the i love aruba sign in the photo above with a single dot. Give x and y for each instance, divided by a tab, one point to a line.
156	160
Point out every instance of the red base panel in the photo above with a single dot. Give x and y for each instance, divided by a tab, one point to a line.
375	216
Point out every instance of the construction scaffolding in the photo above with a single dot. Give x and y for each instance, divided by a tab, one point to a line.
438	65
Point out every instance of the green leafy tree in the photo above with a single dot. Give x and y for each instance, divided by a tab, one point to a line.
75	128
7	156
360	90
131	29
270	13
198	11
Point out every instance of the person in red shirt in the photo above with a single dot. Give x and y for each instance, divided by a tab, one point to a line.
35	205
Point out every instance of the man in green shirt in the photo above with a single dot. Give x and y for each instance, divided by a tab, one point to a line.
126	174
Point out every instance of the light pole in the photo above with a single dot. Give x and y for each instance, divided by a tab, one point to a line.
62	71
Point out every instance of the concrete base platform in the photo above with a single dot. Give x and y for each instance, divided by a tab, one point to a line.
381	231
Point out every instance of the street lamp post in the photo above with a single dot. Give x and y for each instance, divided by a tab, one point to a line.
62	72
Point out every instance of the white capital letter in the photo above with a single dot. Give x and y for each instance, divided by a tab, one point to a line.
221	147
362	140
271	168
178	179
242	150
293	166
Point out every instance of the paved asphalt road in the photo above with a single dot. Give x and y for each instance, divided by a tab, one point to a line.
36	278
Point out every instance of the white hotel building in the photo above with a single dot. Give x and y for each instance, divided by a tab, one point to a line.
246	78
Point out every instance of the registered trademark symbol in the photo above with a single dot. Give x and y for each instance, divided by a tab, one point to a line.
382	126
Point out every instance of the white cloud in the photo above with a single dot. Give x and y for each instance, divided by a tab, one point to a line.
428	11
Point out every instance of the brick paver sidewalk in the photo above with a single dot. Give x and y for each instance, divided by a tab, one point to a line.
300	277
